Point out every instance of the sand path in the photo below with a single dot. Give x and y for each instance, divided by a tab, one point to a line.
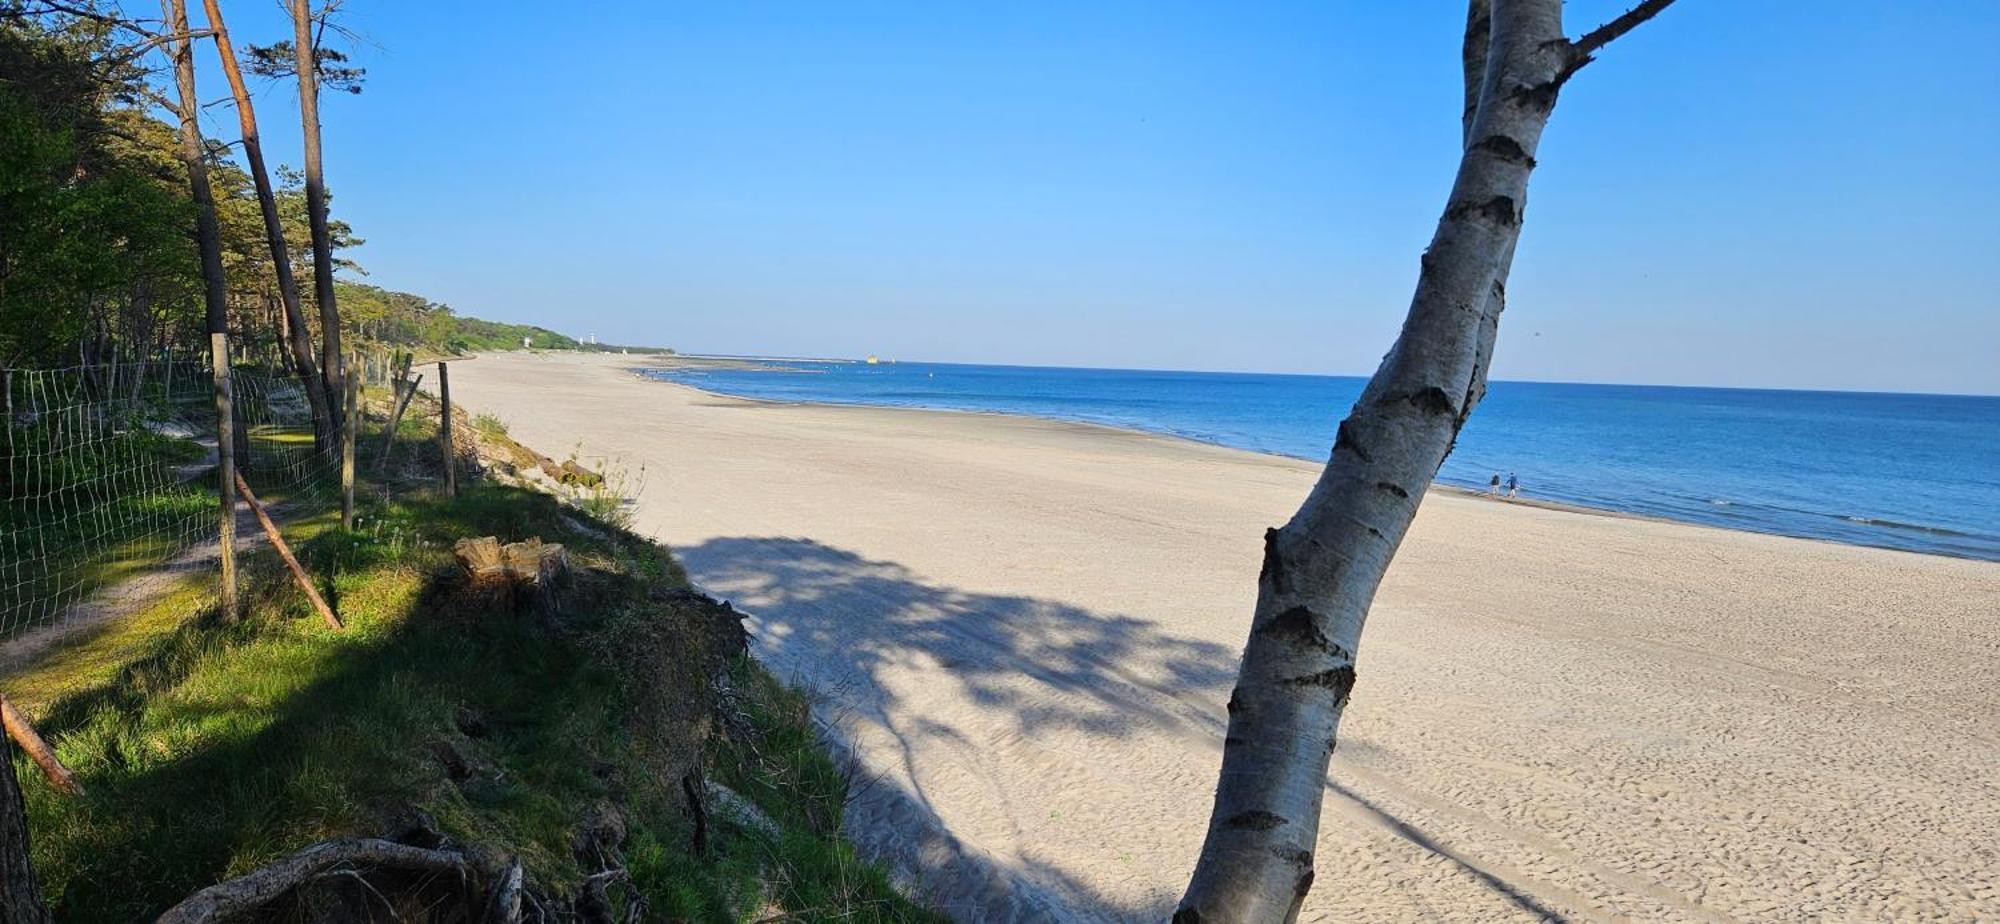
1027	630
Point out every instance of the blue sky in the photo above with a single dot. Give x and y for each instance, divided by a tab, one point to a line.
1751	192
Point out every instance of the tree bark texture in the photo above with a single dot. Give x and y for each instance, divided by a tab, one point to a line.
298	337
23	733
20	894
1322	568
208	236
304	50
215	292
246	894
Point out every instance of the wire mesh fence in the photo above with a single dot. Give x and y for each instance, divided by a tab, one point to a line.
109	480
103	482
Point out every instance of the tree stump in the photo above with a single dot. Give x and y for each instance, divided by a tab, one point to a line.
505	576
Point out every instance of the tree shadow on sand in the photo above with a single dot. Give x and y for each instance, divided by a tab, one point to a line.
847	624
844	623
812	597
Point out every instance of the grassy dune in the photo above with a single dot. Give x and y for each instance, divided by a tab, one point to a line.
572	741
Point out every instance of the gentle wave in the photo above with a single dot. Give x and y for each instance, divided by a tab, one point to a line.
1789	463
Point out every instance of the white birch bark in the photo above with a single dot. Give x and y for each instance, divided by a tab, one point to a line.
1321	569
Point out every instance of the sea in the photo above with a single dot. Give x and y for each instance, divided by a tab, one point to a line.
1902	471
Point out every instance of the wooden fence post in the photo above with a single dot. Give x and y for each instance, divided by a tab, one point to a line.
37	749
225	467
396	419
444	433
291	561
349	434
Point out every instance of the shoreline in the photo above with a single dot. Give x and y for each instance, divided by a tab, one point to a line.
1435	486
1024	632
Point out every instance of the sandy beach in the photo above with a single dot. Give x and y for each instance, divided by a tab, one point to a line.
1025	630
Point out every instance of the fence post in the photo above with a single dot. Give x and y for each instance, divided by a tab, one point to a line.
243	420
9	376
225	466
444	433
285	552
347	438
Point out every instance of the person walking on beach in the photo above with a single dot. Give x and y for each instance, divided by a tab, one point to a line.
1513	485
1493	487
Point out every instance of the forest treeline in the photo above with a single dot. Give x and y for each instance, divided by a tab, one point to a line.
406	321
99	258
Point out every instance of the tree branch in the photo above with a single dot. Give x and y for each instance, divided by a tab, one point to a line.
136	49
87	13
1605	34
161	101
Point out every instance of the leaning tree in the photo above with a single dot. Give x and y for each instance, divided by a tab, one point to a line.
298	338
315	68
1322	568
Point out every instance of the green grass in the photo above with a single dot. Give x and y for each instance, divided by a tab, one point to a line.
489	425
778	761
208	748
75	518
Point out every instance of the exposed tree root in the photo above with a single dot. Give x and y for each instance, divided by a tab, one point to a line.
251	891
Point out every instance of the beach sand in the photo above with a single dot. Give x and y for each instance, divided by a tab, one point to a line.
1025	632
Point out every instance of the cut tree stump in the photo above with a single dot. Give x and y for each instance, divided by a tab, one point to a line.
506	574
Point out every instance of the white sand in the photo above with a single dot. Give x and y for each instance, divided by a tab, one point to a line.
1027	630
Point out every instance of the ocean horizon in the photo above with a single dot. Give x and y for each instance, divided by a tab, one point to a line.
1909	471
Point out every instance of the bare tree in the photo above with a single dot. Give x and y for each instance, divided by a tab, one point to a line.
1322	568
297	335
307	62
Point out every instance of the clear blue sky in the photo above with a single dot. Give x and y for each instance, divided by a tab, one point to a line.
1744	192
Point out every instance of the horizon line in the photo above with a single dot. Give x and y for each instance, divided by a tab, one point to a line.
1331	375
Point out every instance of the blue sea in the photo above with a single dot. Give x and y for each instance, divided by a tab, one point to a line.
1902	471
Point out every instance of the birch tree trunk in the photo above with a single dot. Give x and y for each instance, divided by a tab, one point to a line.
305	54
298	338
1321	569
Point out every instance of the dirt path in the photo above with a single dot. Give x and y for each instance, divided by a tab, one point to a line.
129	595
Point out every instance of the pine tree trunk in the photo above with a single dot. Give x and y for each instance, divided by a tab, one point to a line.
322	239
299	338
1321	570
215	293
208	236
20	894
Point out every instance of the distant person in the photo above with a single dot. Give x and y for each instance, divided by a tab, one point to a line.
1513	485
1493	487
